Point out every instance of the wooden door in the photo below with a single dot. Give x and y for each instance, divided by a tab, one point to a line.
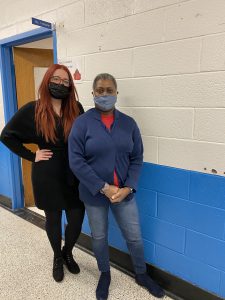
25	60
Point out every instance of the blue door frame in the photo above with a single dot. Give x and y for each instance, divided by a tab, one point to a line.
10	100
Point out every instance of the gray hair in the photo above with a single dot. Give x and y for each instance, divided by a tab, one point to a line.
104	76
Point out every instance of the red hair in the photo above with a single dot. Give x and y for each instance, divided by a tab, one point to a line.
44	113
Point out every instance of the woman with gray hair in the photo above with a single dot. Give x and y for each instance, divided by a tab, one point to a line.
106	155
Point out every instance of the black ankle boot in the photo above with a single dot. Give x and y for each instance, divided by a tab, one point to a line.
145	281
70	262
102	290
57	271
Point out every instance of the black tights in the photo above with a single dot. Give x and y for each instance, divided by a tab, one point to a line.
74	217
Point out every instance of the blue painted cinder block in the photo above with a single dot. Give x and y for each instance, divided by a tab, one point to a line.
207	189
112	220
202	275
166	180
222	284
149	249
163	233
147	202
191	215
205	249
6	188
85	226
116	239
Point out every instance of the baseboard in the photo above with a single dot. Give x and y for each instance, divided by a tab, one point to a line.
6	201
175	287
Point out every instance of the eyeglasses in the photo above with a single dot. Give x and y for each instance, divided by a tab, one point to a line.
108	91
58	80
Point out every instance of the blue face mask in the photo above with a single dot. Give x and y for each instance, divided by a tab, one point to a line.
105	103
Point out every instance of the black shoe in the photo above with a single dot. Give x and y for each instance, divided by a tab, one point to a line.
70	262
57	271
102	290
145	281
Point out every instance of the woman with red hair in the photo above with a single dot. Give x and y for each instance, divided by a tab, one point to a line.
47	122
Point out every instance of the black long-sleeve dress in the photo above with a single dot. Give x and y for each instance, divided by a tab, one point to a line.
54	185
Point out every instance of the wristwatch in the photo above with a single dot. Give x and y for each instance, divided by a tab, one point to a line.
105	188
131	189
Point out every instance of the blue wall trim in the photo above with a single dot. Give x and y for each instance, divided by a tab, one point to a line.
10	106
182	217
26	37
55	53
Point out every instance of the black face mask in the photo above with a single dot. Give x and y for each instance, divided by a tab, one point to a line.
58	91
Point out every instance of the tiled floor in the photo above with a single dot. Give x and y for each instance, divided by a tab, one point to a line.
26	263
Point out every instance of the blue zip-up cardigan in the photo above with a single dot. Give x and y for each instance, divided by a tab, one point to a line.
95	152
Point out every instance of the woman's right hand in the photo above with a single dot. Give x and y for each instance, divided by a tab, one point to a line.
43	154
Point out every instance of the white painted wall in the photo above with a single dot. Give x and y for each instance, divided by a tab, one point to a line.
168	57
42	44
39	73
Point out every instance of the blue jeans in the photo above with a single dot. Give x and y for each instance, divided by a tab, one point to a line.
126	216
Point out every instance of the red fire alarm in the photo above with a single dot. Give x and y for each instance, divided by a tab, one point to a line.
77	75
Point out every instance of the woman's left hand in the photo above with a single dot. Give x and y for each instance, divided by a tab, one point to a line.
120	195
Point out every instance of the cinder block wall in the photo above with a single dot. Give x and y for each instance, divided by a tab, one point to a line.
168	57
